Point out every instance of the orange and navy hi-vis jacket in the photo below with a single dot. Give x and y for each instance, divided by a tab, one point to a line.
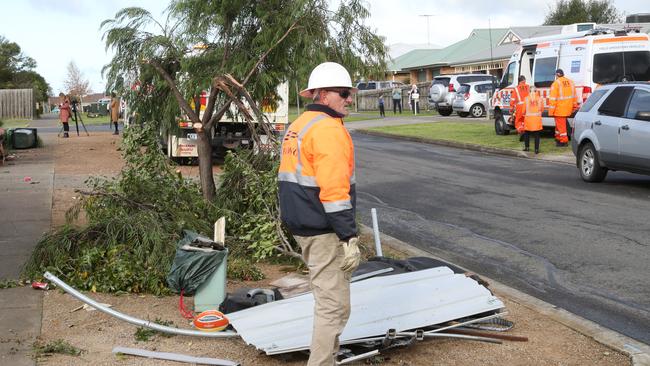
518	96
316	175
563	99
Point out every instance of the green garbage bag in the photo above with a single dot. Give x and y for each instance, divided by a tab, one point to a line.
191	268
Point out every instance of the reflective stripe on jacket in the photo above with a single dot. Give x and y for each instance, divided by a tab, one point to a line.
518	97
562	100
316	175
533	108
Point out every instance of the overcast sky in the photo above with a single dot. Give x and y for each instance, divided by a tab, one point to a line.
55	33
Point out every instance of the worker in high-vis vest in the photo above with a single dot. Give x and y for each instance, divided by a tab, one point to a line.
562	103
517	98
532	109
317	202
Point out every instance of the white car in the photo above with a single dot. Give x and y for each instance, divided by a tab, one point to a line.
444	87
472	98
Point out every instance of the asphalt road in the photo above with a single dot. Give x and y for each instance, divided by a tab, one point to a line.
531	224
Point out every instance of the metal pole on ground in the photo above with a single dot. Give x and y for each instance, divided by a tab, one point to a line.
375	230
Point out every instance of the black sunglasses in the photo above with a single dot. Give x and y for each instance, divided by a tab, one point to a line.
342	93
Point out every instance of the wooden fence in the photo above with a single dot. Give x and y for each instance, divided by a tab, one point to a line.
17	103
368	100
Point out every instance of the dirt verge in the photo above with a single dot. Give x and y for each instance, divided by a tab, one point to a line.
550	343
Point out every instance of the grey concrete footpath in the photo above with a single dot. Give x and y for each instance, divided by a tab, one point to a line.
26	186
639	353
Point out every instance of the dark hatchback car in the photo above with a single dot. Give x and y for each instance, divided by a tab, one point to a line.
612	131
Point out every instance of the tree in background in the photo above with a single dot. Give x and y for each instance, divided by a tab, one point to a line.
75	84
17	71
581	11
236	49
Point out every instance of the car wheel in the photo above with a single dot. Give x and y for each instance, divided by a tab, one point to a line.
463	114
500	125
589	166
445	112
477	110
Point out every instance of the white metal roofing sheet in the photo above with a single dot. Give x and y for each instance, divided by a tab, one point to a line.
402	302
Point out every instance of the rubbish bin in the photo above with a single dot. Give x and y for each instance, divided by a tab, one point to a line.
24	138
200	270
212	291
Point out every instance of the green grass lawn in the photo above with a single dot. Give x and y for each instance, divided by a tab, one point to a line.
478	133
15	123
101	120
366	115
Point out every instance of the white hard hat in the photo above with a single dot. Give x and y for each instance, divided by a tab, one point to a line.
328	75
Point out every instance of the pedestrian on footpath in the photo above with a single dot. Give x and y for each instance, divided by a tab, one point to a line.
64	113
115	111
397	99
414	97
517	100
318	202
381	106
532	109
562	103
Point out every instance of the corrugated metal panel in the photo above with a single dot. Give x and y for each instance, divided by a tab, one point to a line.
402	302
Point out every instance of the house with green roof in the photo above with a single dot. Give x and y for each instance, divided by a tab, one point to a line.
483	51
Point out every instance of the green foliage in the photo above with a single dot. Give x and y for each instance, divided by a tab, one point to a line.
242	268
16	71
145	334
58	346
10	284
248	194
134	221
581	11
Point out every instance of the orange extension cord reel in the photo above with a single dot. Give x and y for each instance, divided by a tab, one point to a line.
211	321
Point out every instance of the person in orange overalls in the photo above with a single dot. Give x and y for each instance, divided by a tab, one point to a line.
563	102
532	110
517	98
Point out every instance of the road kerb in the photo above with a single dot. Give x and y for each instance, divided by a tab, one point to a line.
468	146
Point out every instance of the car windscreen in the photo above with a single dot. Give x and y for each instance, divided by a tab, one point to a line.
464	88
621	66
509	76
441	81
592	100
545	71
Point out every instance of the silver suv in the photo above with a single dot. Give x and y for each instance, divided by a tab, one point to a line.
472	98
444	87
612	131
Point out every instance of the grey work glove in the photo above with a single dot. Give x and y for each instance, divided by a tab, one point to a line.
351	255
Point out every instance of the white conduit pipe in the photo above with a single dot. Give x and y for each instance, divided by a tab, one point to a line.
375	230
135	321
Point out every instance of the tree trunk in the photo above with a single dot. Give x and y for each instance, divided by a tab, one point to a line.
205	166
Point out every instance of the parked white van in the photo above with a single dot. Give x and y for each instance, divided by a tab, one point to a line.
590	58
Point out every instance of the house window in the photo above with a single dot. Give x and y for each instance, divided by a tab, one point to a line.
422	75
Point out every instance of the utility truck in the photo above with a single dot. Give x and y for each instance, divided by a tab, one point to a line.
231	132
588	55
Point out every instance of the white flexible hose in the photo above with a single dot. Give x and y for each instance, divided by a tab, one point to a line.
135	321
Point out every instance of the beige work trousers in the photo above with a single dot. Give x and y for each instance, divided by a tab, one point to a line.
331	288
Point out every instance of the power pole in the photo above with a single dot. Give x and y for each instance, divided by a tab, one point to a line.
428	16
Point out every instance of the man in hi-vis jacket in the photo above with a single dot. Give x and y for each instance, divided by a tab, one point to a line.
562	103
317	202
